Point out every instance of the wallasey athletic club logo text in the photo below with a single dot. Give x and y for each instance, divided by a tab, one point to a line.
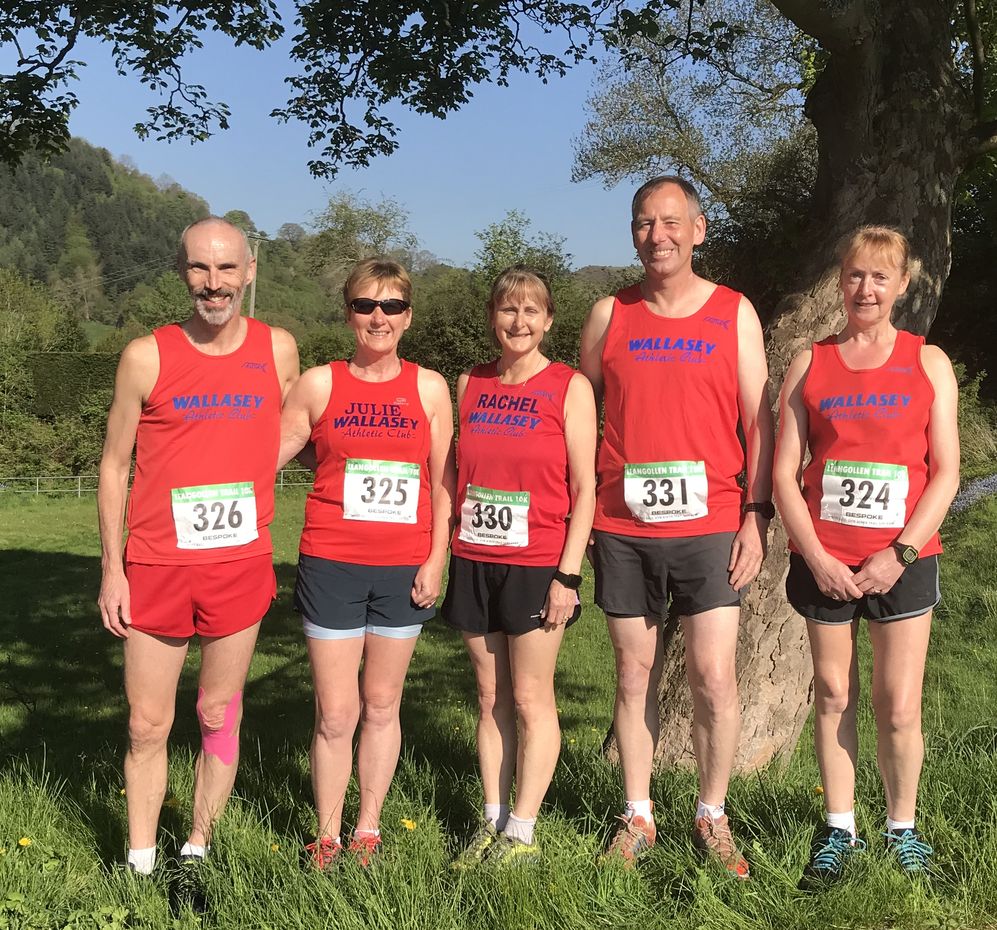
374	420
502	414
667	349
255	366
218	406
863	406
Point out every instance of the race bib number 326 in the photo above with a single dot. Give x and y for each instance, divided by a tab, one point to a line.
660	492
380	491
213	516
864	493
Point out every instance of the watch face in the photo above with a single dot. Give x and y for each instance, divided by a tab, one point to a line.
909	555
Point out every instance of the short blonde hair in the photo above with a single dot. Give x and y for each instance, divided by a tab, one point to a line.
883	240
514	281
381	271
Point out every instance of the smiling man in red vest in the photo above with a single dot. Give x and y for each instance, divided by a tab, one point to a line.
678	364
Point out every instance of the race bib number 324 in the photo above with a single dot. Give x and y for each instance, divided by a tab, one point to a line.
660	492
870	494
213	516
380	491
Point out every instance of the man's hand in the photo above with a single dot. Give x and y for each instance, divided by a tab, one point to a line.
427	584
115	603
879	572
748	551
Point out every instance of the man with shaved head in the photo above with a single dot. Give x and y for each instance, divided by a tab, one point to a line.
199	403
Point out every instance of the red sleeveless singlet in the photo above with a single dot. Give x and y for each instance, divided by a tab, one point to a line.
670	455
206	453
868	441
371	501
512	479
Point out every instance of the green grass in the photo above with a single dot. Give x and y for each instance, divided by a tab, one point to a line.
62	716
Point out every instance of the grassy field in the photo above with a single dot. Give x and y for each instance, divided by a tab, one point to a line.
62	814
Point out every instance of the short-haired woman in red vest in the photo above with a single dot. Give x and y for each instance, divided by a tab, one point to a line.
526	464
876	409
374	545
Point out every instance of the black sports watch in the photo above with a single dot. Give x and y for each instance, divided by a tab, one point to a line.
765	508
906	555
571	582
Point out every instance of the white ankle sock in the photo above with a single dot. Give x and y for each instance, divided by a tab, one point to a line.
190	849
497	815
713	811
639	809
898	826
142	861
367	832
519	829
843	821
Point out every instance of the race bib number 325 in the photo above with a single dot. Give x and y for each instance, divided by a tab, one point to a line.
495	518
660	492
213	516
864	493
379	491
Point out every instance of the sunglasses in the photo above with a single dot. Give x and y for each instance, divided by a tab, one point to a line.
392	307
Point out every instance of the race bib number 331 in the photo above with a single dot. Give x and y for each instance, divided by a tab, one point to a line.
213	516
661	492
864	493
380	491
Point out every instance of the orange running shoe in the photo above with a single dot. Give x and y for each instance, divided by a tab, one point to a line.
365	846
635	837
713	838
323	852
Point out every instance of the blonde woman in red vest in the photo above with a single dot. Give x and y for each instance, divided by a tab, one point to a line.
526	457
374	545
876	409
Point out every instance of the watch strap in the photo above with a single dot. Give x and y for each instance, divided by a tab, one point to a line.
572	582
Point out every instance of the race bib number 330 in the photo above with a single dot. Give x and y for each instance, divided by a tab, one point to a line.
864	493
495	518
381	492
660	492
213	516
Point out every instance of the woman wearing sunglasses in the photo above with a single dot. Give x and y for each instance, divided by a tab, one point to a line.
526	461
374	544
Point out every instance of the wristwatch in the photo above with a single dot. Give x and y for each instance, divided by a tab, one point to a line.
906	555
765	508
571	582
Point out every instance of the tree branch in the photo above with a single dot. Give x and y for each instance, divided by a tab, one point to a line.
984	139
979	56
830	24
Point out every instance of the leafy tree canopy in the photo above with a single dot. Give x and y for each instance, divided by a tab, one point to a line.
352	58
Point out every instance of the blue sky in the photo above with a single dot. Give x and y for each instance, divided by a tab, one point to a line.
509	148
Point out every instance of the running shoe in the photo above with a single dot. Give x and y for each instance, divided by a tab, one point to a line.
634	838
187	885
508	851
913	854
324	852
829	852
714	839
476	850
365	846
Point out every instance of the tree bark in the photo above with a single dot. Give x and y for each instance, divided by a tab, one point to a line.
893	130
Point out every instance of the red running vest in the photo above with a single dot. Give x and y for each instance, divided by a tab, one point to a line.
868	441
371	501
512	468
670	455
205	453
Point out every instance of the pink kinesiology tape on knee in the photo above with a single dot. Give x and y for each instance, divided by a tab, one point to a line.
223	742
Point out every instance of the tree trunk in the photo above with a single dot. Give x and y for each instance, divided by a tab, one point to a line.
891	122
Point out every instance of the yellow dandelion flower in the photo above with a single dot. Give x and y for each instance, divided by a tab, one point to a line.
274	847
571	739
3	850
408	824
818	789
122	792
24	841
